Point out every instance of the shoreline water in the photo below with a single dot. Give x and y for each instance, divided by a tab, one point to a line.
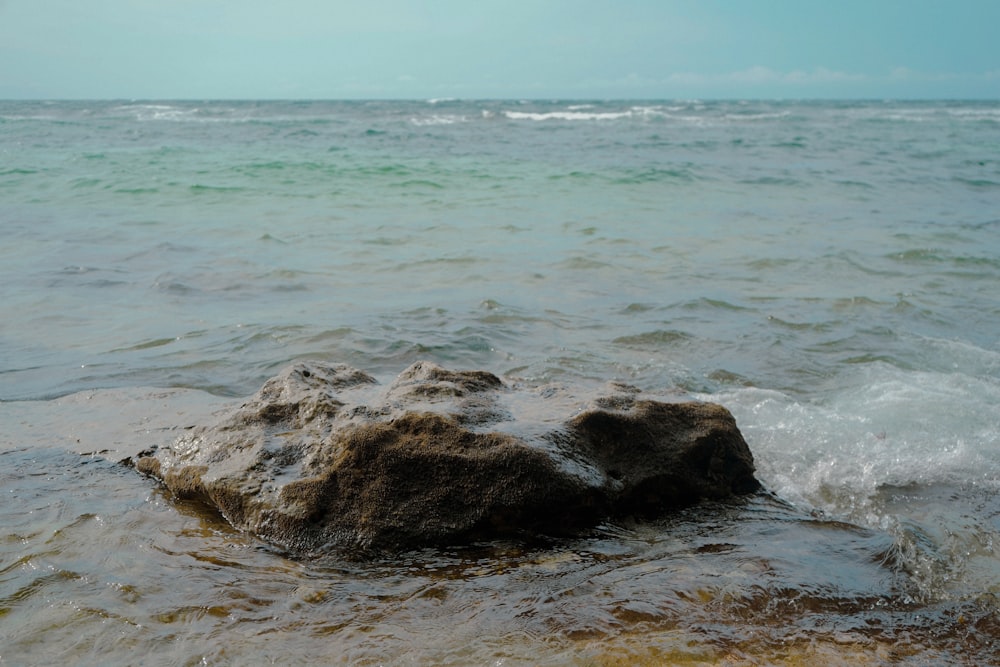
825	270
738	582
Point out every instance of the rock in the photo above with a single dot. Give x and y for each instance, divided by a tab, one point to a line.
325	457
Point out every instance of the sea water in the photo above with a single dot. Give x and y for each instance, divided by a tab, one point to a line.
829	271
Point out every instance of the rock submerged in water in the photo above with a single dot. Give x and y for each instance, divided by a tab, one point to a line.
324	457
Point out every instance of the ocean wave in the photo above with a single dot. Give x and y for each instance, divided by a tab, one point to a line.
586	112
209	113
886	426
925	113
439	119
757	116
566	115
148	112
11	118
682	114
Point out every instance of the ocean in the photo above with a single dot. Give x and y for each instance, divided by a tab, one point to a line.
827	270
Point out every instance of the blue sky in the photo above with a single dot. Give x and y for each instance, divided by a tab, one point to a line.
196	49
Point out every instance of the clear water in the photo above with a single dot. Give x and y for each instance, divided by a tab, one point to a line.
829	271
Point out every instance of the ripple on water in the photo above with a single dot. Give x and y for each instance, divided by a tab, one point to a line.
118	568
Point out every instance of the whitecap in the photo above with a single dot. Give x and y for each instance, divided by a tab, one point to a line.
974	114
756	116
884	426
566	115
438	119
145	112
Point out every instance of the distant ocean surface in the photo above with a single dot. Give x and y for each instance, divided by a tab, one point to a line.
829	271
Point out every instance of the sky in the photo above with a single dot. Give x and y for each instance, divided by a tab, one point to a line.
547	49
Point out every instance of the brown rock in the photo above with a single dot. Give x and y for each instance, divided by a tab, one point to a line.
323	457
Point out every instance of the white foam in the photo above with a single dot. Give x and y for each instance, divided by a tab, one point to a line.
583	112
756	116
566	115
157	111
884	427
167	112
975	114
923	113
438	119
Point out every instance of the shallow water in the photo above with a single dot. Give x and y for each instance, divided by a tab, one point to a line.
828	271
122	574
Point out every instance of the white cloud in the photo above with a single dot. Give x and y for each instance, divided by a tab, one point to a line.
756	74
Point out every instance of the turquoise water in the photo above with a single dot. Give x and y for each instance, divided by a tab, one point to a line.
829	271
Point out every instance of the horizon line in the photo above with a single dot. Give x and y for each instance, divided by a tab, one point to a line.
501	99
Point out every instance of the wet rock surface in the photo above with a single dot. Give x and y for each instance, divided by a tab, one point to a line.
324	456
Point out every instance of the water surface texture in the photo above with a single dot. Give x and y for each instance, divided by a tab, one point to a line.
829	271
